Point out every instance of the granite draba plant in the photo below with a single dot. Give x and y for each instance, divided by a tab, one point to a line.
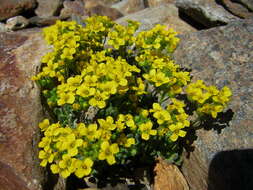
115	95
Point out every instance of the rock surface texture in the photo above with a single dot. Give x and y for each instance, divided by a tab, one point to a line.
20	111
129	6
165	14
206	12
168	177
222	56
10	8
47	8
237	9
155	3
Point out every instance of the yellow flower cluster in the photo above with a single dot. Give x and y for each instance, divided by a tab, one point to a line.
171	120
103	77
211	101
126	79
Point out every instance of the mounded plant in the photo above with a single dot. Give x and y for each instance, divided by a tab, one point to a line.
115	96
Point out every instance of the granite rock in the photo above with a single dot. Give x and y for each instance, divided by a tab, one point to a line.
206	12
222	56
16	23
155	3
237	9
41	21
3	27
246	3
93	7
11	8
165	14
20	110
129	6
72	8
48	8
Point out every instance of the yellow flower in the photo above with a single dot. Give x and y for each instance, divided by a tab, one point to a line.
44	125
91	132
65	166
162	116
47	157
107	124
71	144
84	167
98	100
146	130
176	131
107	152
66	98
127	142
85	91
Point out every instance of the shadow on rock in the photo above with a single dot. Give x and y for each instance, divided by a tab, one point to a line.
231	170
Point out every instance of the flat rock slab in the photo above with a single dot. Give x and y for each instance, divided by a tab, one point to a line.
20	110
222	56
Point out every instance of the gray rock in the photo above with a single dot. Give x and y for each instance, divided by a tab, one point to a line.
16	23
222	56
206	12
165	14
20	110
11	8
47	8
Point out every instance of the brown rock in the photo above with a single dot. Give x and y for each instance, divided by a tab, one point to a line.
47	8
165	14
169	177
155	3
129	6
93	7
206	12
16	23
11	8
20	110
72	8
237	9
223	156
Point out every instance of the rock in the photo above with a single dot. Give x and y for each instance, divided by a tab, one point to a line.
166	14
155	3
169	177
206	12
72	8
94	7
20	110
16	23
47	8
3	27
11	8
109	2
222	56
129	6
39	21
237	9
246	3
